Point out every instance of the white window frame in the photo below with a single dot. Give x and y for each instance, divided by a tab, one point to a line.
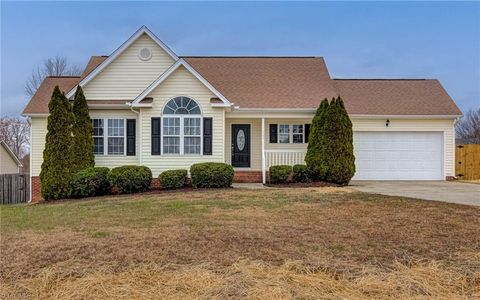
280	133
302	126
106	136
200	135
99	136
182	135
164	135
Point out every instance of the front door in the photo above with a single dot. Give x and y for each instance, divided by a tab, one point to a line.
241	145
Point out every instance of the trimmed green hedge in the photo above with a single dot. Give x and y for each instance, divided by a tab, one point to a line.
173	179
90	182
130	179
301	173
280	174
211	175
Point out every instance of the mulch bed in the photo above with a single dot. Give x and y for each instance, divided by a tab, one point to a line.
302	184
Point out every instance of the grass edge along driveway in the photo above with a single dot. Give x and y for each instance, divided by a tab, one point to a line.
234	243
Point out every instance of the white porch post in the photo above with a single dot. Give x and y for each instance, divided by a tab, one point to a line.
263	152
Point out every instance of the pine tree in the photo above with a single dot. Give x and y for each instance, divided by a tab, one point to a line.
339	149
82	131
57	158
314	158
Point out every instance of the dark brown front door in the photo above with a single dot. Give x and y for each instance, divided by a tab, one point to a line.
241	145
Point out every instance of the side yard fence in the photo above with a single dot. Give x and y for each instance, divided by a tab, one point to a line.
467	162
14	188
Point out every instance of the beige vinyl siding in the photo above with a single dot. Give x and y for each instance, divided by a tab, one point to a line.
7	164
112	161
181	83
359	124
39	132
37	143
127	76
255	141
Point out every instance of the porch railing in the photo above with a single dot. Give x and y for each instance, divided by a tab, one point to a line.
284	157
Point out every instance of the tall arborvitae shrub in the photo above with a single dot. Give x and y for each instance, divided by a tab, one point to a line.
57	158
82	131
315	157
339	149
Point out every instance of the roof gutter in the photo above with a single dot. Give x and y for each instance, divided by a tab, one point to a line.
357	116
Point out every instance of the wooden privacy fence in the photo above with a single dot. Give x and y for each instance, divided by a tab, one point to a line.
14	188
467	162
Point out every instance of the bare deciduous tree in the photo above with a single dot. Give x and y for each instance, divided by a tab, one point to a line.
16	134
54	66
468	127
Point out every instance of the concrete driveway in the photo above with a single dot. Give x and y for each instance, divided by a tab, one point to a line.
447	191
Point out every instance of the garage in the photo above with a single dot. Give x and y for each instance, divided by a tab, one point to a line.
398	155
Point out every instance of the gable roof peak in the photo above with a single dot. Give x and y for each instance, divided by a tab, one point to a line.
141	31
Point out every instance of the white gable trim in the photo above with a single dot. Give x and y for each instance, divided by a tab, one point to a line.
169	71
12	155
118	51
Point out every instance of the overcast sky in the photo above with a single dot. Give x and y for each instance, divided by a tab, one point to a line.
358	40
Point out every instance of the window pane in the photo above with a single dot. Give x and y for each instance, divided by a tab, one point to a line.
168	110
115	145
192	145
191	126
171	126
284	128
98	145
297	138
181	111
297	131
171	145
178	101
115	127
284	133
97	127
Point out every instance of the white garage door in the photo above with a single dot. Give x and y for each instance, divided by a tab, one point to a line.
398	155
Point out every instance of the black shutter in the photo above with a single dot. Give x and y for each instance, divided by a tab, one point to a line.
307	132
131	136
273	133
156	136
207	136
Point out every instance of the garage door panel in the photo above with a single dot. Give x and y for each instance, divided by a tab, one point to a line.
398	155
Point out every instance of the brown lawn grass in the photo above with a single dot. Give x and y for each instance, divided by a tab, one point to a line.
301	243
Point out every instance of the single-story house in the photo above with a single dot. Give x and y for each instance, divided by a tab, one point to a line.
151	107
9	162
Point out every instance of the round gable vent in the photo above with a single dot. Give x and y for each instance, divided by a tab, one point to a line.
145	54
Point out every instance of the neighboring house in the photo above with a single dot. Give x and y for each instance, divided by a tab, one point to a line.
9	162
151	107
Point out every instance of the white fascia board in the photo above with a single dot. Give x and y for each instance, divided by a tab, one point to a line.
30	115
359	116
118	51
404	116
275	109
219	105
107	106
168	72
156	83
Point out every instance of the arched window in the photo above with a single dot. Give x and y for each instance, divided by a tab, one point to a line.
181	106
182	127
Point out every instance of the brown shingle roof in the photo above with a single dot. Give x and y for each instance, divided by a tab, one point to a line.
92	64
395	97
267	82
39	102
290	82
